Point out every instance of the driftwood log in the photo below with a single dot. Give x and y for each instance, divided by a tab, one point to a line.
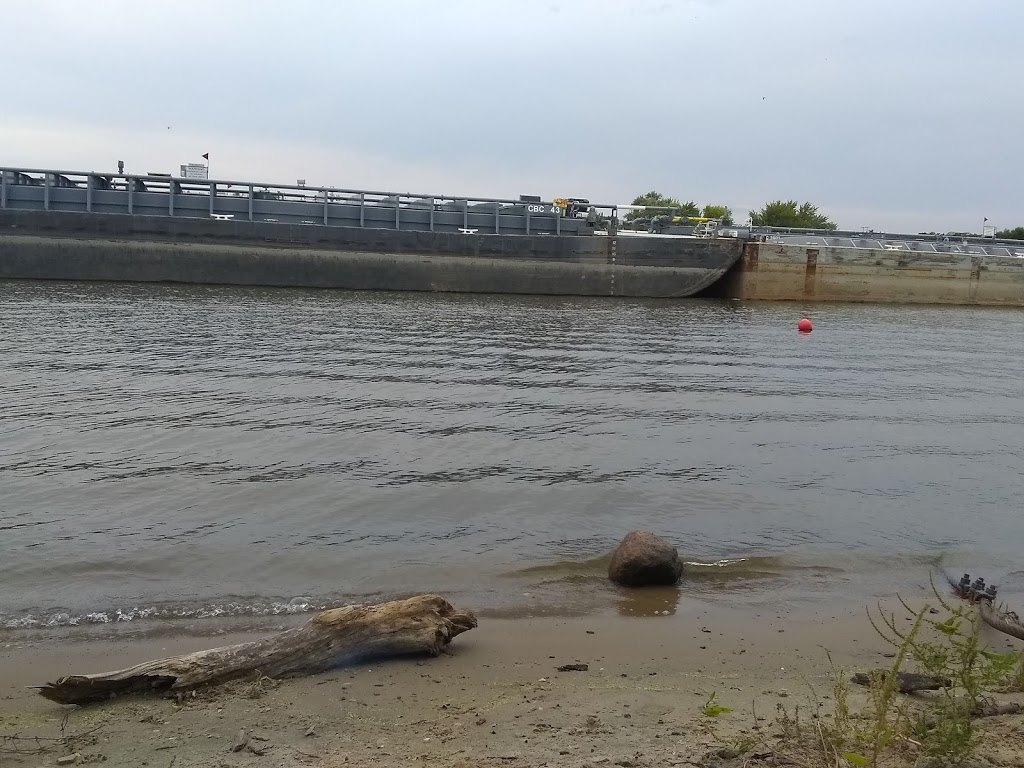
994	710
340	636
988	710
1001	620
908	681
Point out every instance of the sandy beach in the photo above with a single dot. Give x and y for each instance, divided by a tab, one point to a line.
495	699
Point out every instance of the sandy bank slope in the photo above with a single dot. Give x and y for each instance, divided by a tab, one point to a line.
496	700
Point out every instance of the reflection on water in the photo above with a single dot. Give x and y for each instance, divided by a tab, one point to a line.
649	601
228	452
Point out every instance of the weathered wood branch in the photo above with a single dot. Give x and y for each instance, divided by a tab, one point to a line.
1004	622
988	710
908	681
997	709
420	625
999	619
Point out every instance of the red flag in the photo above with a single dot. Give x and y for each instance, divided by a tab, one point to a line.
206	156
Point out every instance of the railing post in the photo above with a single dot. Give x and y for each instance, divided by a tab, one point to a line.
326	200
362	209
213	194
170	197
398	207
558	221
3	189
497	217
433	204
250	202
131	192
527	206
46	191
465	214
88	194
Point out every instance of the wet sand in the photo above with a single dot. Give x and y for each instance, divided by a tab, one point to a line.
496	699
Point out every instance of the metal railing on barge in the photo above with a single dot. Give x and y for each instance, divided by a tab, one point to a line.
227	200
932	243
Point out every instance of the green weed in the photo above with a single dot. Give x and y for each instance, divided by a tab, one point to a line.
943	642
711	709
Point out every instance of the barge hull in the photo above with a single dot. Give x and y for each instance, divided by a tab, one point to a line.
122	248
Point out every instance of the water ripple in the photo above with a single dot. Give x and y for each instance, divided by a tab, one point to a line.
169	448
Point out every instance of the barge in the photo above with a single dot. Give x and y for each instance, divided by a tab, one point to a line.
76	225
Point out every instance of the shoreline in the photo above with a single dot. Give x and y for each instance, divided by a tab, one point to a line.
802	583
496	698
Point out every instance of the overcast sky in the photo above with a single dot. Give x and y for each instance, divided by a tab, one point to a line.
891	114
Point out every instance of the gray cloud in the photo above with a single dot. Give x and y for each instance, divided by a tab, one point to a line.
892	115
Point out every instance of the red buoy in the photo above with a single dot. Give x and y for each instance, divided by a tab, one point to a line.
804	326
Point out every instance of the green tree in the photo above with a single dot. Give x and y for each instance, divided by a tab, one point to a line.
689	208
790	213
658	200
1017	233
721	212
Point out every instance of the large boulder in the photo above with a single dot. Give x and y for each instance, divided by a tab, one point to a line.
643	559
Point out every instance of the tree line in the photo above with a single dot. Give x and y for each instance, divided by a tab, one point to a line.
778	213
688	209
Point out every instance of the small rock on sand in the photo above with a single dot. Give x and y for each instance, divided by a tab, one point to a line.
240	741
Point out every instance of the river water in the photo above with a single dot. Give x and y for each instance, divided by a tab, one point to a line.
190	452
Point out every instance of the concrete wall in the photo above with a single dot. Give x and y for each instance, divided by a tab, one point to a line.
810	273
